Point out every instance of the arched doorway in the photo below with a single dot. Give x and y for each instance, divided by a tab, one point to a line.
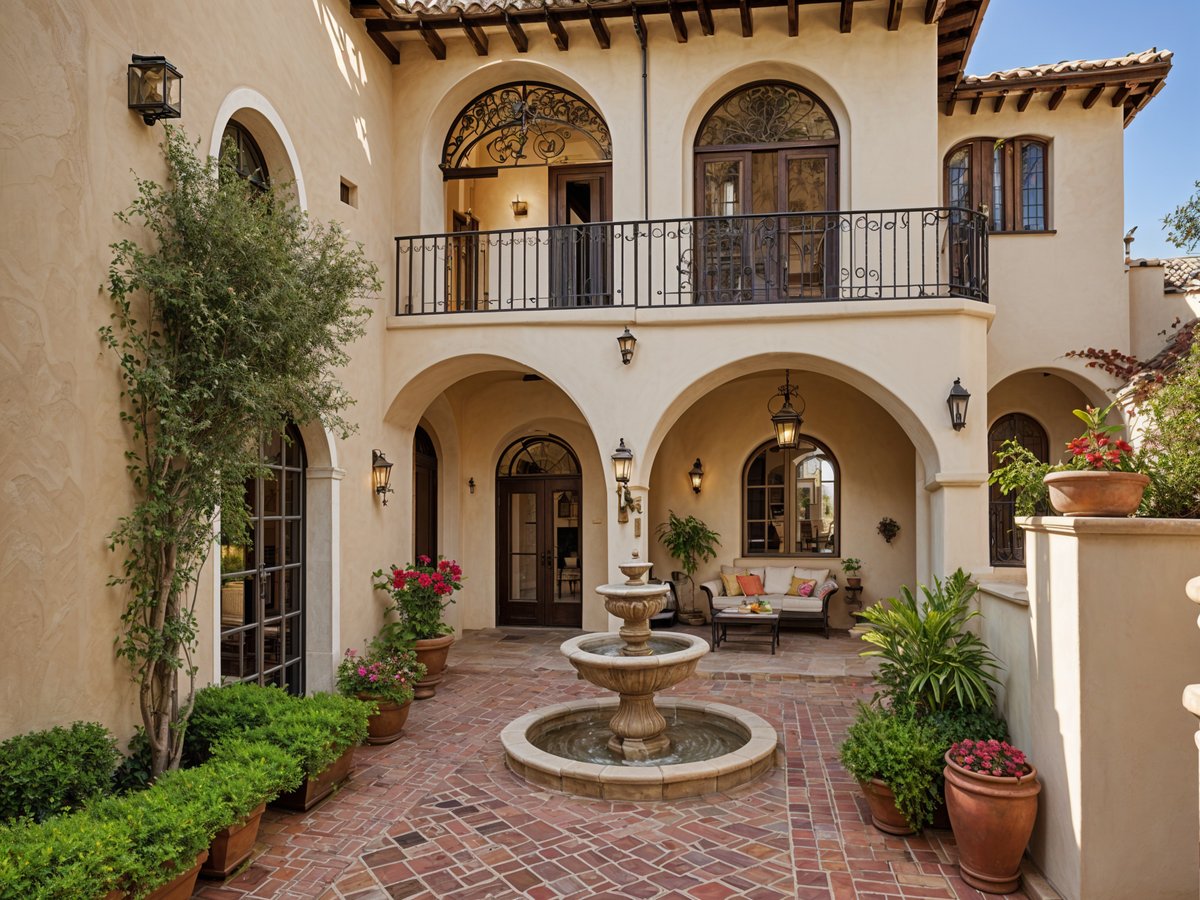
1005	540
538	535
262	582
425	495
766	149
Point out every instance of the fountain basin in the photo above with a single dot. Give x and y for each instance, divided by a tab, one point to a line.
640	780
597	658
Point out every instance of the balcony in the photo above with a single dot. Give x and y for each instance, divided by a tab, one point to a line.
895	254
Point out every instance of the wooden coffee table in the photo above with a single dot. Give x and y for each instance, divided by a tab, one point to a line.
761	628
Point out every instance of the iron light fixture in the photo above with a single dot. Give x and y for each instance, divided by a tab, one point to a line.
623	468
786	420
155	89
381	474
471	483
957	401
520	207
626	343
696	475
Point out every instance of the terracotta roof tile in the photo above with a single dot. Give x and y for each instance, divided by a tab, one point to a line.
1182	273
1153	56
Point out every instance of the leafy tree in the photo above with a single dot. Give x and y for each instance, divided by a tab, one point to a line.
1183	225
1169	441
233	319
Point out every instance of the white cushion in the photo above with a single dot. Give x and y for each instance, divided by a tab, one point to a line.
779	603
820	576
778	580
760	571
733	570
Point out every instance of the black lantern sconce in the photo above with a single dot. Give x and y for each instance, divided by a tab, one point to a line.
957	401
626	343
696	475
381	474
623	468
155	89
471	484
786	420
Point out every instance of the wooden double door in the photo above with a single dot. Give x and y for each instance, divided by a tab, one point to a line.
539	551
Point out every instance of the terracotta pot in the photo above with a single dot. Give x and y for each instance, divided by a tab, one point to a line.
853	581
1089	493
232	846
181	887
385	726
884	814
992	820
316	788
432	652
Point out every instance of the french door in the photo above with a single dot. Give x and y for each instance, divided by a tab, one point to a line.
580	235
539	551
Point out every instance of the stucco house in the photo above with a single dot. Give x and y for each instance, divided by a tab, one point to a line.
809	194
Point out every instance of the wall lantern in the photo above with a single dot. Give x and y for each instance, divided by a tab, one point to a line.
957	401
154	88
520	207
696	475
786	420
381	474
471	484
626	343
623	468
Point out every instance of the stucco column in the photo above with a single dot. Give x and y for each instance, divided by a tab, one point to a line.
322	566
1191	693
958	522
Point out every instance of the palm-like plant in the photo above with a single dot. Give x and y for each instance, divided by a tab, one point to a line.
691	542
931	661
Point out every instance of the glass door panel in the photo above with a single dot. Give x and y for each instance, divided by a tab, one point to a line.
808	237
541	568
523	556
724	182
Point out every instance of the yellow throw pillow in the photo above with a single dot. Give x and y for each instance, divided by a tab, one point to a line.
732	588
798	587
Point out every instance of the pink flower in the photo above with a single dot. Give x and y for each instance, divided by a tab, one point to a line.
425	560
374	677
362	670
424	580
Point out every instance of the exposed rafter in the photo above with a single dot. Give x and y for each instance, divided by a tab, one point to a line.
846	17
1092	96
895	8
475	36
793	16
599	29
561	41
747	18
677	23
519	38
706	17
434	42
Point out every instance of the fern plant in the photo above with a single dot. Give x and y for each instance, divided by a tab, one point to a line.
931	660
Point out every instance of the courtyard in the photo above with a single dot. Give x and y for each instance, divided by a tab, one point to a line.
438	815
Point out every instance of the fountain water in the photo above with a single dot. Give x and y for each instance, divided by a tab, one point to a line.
625	747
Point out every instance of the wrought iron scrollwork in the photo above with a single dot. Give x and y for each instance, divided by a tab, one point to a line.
524	124
767	113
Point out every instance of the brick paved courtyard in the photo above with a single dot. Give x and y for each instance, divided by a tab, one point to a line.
438	815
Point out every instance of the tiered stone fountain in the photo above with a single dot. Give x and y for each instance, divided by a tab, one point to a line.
633	747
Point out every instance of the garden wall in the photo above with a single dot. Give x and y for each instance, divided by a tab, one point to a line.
1096	658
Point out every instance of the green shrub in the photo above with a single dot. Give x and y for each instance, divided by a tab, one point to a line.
44	773
72	857
223	711
903	752
1170	434
930	660
954	725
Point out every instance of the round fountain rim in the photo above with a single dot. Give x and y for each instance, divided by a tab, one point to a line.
574	651
620	590
617	782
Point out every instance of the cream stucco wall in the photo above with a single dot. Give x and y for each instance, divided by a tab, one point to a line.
1048	398
1153	311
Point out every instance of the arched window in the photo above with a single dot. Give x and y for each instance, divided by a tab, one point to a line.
247	158
425	493
1006	177
791	501
537	456
1006	540
768	148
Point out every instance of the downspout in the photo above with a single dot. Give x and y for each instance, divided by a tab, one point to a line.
640	31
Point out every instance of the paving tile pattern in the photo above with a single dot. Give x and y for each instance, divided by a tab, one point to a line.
438	815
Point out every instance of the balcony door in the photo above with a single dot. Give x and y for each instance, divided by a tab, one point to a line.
538	535
580	238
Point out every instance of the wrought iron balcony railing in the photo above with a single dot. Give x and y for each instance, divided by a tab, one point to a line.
893	254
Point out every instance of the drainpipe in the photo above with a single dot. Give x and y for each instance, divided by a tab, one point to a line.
640	31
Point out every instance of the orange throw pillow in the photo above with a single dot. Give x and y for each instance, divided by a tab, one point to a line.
751	585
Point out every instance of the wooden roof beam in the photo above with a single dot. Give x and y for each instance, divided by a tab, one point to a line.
793	9
933	10
1024	101
1057	97
519	38
475	35
639	26
1092	96
895	7
1120	94
975	101
557	31
599	29
747	18
677	22
706	17
846	17
950	104
998	103
384	43
433	41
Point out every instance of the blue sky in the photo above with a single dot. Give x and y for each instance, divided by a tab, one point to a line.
1162	146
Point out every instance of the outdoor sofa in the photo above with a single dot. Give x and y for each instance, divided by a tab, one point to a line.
776	576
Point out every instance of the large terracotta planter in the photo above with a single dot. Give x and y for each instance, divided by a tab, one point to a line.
992	820
884	814
232	846
316	788
1090	493
432	653
181	887
385	726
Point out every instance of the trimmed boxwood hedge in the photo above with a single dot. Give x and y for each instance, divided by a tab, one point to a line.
44	773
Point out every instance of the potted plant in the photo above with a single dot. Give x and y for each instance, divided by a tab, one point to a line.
384	679
888	528
852	566
691	542
419	595
1099	477
896	758
992	796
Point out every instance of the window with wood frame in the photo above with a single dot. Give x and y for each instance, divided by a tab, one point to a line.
1006	177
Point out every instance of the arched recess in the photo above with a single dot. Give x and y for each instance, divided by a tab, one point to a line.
1006	542
425	495
791	500
254	112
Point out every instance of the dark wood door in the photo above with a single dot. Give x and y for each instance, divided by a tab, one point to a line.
425	485
539	558
463	289
1006	540
580	237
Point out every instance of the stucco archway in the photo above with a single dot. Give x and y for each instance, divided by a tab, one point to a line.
256	114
